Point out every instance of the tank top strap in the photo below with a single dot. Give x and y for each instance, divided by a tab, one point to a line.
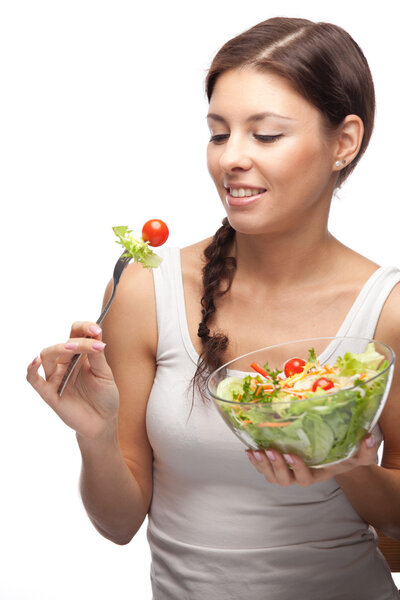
362	319
166	302
173	336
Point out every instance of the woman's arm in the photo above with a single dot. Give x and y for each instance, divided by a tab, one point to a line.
116	477
106	406
375	491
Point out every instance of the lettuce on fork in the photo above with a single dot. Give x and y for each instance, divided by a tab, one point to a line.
136	248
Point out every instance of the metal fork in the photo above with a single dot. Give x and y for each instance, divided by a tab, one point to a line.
118	270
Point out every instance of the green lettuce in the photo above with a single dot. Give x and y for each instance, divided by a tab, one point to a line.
352	363
136	248
323	427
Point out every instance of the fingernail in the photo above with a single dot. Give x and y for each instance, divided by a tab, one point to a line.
288	459
258	456
35	360
71	346
370	441
95	329
98	346
270	455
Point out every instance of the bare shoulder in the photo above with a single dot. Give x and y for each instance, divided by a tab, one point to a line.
133	312
193	255
192	259
352	266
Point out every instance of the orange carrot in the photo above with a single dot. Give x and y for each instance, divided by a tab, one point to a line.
259	369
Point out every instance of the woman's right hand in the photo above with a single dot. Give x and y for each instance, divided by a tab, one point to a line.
90	401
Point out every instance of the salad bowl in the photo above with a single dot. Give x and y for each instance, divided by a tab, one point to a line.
316	398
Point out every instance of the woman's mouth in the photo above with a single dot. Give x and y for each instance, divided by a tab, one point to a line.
242	196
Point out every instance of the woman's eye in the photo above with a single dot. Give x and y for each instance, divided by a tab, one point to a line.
266	139
219	138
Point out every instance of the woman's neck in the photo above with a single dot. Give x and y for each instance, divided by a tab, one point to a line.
285	260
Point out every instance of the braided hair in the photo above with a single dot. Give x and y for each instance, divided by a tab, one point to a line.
218	269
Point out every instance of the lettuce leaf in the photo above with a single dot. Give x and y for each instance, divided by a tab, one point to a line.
136	248
352	363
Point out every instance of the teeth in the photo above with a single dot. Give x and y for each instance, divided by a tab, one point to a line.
241	192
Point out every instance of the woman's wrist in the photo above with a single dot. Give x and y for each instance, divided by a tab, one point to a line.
106	439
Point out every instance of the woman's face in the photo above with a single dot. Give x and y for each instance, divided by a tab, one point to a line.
268	155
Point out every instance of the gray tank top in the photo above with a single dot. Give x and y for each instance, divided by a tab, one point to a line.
217	529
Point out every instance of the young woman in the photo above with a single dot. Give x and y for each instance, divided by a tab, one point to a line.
291	112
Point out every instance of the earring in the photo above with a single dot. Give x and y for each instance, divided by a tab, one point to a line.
338	163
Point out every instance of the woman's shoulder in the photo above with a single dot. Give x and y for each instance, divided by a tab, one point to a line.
195	251
192	257
132	315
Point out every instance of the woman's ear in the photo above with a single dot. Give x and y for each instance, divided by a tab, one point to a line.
349	138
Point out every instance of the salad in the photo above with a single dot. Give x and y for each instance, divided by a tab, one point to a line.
319	412
154	233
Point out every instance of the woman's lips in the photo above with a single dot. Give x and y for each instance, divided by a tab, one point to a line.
243	200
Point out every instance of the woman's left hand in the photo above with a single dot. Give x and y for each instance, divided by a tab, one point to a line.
288	469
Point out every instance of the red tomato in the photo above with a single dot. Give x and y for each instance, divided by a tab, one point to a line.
155	232
322	382
293	366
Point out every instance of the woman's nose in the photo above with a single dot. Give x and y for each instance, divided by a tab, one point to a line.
235	156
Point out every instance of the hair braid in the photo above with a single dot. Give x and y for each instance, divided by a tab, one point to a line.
218	268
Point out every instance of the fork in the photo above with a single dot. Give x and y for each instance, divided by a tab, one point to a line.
118	270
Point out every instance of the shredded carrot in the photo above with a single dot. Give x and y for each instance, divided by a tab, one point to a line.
259	369
267	387
253	384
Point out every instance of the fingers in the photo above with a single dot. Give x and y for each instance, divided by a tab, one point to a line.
85	329
282	469
36	381
61	354
273	466
85	339
287	469
368	451
56	358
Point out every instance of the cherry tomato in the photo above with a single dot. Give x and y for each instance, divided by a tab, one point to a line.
323	383
155	232
293	366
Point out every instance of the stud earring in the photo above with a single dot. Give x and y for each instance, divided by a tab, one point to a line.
338	163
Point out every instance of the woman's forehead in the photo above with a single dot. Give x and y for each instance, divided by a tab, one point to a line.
252	95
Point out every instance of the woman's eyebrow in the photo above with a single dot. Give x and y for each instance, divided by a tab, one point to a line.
251	118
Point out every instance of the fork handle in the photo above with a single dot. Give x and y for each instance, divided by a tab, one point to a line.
69	370
76	357
122	262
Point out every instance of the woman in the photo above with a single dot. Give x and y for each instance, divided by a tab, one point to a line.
291	112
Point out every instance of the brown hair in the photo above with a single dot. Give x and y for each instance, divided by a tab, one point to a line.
323	64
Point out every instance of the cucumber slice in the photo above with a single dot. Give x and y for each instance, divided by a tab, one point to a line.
227	386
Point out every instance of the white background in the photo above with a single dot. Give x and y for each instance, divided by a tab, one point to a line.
102	123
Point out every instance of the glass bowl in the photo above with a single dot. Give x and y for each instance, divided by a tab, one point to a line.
323	429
